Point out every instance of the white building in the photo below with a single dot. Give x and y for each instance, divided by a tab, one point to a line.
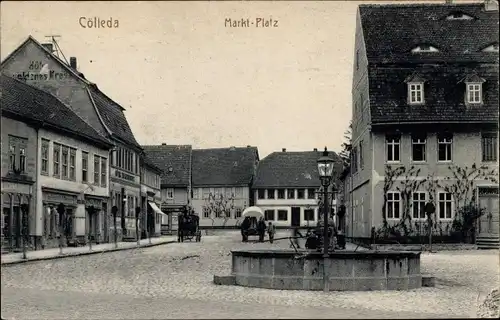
286	188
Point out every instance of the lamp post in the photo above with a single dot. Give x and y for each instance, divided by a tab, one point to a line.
24	230
114	211
124	203
325	170
91	211
60	210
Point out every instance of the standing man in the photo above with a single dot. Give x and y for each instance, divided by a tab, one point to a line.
261	229
271	230
180	228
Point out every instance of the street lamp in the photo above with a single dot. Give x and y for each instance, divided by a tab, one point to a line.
325	170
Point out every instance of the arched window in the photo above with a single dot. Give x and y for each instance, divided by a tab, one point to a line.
458	15
424	48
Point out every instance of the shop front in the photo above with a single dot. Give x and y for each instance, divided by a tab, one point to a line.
96	224
17	215
155	216
170	219
56	222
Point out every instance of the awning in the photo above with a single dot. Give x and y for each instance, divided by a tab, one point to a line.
155	208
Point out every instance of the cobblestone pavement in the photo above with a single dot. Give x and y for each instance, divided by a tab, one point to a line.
160	282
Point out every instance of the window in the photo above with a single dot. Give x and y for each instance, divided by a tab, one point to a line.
206	212
290	193
445	148
301	193
309	214
392	147
85	166
238	212
474	93
72	164
489	146
206	193
261	193
269	215
418	205
170	193
195	193
57	160
354	159
65	155
425	48
218	212
357	59
361	160
281	193
459	16
119	157
445	205
97	175
238	192
270	193
22	159
282	215
415	93
311	193
45	157
12	157
393	205
491	48
418	148
104	178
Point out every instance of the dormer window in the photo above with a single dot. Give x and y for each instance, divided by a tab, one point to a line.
474	92
491	48
473	89
459	16
415	89
424	48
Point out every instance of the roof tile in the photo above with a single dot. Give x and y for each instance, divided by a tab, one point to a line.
173	160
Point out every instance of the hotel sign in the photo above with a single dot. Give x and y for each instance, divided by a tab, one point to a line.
124	175
39	71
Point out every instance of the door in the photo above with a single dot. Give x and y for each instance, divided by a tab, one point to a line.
489	222
295	217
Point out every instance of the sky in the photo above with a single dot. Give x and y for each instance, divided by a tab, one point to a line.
185	77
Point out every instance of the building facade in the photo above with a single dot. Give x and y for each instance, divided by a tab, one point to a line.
175	164
287	187
37	65
221	182
425	117
69	161
151	197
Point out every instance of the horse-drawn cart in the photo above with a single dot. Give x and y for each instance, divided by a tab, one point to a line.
189	227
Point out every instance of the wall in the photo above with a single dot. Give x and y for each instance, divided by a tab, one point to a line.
180	196
28	62
20	129
240	201
466	151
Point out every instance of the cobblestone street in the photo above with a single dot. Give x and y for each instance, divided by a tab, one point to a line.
175	281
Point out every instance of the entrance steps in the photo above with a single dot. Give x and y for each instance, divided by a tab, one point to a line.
488	242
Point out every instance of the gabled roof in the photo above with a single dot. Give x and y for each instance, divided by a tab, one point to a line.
234	166
443	91
109	111
297	169
22	100
151	165
391	31
174	161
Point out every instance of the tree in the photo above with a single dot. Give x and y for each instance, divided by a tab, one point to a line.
219	206
345	154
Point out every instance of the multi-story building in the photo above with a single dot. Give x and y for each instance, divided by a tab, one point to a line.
175	163
286	187
425	116
221	182
151	197
37	65
47	145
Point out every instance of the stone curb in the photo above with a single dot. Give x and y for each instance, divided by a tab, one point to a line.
68	255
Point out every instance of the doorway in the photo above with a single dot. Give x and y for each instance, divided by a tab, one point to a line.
295	217
489	222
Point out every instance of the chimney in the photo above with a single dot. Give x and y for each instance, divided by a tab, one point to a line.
315	149
164	144
249	146
72	62
491	5
48	46
283	150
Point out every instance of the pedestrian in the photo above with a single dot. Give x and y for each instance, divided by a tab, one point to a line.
261	229
244	228
180	228
271	230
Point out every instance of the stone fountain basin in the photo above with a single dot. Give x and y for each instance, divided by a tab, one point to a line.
348	270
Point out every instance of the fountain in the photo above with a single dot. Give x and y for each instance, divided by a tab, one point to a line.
342	270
